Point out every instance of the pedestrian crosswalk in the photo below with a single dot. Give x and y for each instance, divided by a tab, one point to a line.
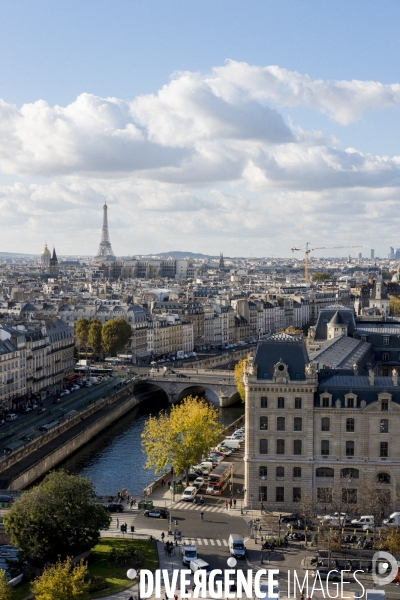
204	507
204	542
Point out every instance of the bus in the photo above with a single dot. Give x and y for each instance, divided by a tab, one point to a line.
94	371
219	479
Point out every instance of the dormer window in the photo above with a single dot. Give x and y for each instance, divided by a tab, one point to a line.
385	340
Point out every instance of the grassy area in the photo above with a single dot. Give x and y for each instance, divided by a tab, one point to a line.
100	565
116	576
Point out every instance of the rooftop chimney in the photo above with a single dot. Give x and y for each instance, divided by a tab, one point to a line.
395	377
371	377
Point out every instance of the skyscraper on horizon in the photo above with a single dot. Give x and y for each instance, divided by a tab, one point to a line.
105	251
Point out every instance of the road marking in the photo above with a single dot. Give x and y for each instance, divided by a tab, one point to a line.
225	542
205	542
212	542
218	542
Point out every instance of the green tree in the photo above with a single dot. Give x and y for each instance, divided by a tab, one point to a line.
5	590
115	335
58	517
321	276
94	336
62	582
82	333
394	304
238	376
181	437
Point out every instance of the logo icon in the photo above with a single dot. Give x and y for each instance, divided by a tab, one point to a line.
384	568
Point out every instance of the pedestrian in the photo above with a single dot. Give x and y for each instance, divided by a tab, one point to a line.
126	527
162	482
131	502
230	503
175	597
162	536
234	503
169	485
201	515
134	501
117	523
226	504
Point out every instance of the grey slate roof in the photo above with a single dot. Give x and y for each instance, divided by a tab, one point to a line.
327	314
340	385
341	353
288	349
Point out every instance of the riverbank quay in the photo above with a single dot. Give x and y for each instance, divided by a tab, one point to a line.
39	456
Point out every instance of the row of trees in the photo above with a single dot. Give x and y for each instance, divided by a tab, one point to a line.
112	337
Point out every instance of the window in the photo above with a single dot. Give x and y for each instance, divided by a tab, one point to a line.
384	428
280	494
297	472
264	402
350	402
350	425
385	356
297	403
298	424
263	422
349	496
384	405
263	492
324	472
349	448
280	446
383	478
384	450
297	447
263	472
325	424
280	472
385	341
280	424
263	446
325	447
350	473
296	494
324	495
281	402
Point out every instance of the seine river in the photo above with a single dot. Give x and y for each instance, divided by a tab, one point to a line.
114	460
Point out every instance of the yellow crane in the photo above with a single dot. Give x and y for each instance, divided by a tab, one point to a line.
307	251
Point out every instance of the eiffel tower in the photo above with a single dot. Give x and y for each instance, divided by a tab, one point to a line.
105	251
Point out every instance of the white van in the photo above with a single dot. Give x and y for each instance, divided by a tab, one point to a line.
189	493
200	564
363	520
236	545
11	417
189	553
393	520
231	443
208	465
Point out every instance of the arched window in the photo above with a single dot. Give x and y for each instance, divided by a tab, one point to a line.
280	446
263	446
325	424
383	478
297	424
350	473
263	472
280	424
280	472
350	425
324	472
263	422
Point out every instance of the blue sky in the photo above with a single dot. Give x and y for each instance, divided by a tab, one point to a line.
193	152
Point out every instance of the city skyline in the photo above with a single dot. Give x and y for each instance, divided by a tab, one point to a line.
277	126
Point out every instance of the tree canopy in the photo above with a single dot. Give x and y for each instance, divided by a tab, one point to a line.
57	518
82	332
95	336
238	376
181	437
5	590
394	304
62	582
321	276
115	335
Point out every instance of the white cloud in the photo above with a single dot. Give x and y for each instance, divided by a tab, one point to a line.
208	160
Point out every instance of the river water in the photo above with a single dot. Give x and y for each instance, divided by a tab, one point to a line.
115	460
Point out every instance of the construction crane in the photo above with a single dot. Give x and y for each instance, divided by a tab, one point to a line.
307	251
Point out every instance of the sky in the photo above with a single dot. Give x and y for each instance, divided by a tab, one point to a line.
207	126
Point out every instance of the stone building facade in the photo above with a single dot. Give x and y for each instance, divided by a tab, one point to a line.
307	432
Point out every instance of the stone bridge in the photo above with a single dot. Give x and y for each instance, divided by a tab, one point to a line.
221	383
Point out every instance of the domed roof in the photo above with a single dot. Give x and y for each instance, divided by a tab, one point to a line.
45	251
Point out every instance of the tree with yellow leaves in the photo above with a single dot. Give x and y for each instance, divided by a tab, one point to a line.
5	590
62	582
181	437
238	375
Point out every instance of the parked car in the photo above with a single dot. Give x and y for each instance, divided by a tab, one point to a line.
290	518
41	410
198	482
56	400
115	507
65	393
363	520
158	513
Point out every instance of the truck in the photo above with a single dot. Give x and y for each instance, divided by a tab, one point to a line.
236	545
189	553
